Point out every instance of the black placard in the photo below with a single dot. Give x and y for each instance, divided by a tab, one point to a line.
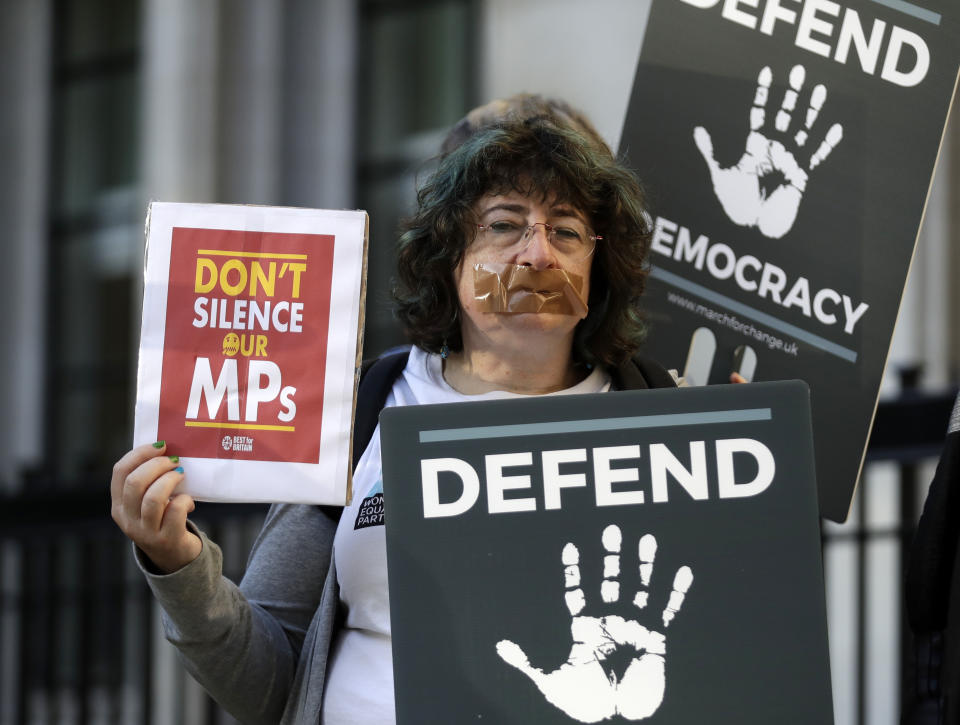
480	572
789	147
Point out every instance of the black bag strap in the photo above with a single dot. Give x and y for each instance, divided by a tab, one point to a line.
376	380
641	373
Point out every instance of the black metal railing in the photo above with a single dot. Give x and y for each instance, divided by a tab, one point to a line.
77	622
908	434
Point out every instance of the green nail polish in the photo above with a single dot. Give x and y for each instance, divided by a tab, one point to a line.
159	444
174	459
178	469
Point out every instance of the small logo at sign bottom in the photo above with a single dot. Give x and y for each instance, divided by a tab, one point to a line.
241	444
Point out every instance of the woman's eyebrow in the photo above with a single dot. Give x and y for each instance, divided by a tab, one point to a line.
506	206
566	210
560	210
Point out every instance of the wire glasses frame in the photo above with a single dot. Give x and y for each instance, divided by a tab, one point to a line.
566	241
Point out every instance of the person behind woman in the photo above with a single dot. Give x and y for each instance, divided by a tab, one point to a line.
518	108
306	635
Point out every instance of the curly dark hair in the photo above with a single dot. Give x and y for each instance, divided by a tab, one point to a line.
548	159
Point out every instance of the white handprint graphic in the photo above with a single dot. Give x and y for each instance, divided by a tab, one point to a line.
740	189
585	687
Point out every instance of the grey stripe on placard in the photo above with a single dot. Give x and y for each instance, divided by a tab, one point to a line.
913	10
761	317
594	424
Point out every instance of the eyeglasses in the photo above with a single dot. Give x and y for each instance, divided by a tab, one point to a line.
569	242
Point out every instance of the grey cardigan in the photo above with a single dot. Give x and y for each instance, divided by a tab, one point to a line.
261	649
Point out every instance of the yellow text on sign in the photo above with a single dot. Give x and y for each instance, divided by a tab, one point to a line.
247	272
246	345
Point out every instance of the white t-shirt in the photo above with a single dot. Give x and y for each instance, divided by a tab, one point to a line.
359	680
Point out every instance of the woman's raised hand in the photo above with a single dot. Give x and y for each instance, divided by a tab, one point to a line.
148	511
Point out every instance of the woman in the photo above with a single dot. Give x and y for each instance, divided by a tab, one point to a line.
519	275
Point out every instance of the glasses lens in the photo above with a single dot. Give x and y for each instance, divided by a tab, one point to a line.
502	234
569	241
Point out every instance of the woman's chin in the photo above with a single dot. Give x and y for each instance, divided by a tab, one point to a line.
543	323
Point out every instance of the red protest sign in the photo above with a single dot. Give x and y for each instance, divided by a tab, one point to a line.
245	343
249	348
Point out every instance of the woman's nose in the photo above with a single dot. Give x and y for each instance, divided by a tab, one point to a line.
538	252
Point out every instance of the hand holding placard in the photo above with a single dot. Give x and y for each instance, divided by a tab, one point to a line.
146	508
584	687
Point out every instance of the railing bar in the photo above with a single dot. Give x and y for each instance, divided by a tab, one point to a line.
146	633
48	595
57	612
87	654
4	607
117	591
23	639
9	640
909	481
861	608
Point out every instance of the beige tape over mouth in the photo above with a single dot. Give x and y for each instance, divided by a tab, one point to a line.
515	289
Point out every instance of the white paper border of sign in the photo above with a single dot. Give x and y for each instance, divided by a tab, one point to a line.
301	484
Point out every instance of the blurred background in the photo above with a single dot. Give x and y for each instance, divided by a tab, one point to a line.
107	104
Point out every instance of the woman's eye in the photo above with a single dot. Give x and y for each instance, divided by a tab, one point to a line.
567	234
502	227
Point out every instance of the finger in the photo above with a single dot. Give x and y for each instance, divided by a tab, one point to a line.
701	137
179	506
817	98
758	112
833	137
700	354
156	498
681	585
138	482
647	550
129	462
744	364
785	114
610	587
571	576
513	655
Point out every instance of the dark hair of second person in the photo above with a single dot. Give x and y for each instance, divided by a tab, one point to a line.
516	108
